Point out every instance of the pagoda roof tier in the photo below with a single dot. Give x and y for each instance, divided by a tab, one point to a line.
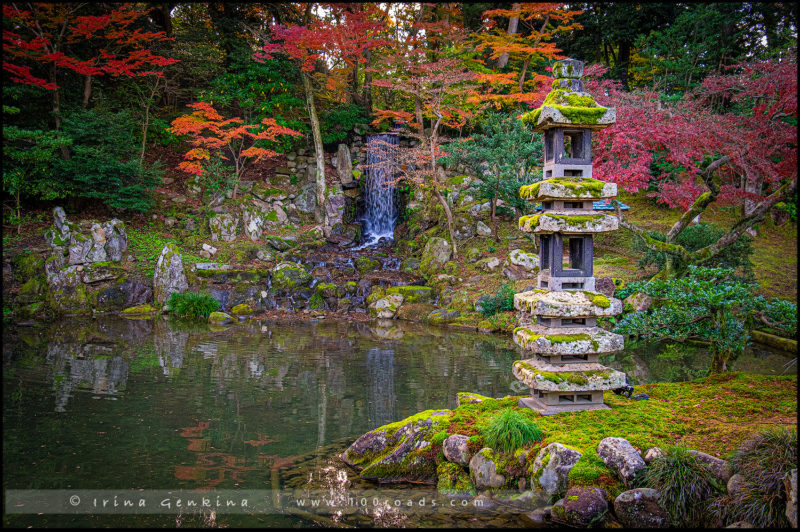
566	222
566	304
541	375
550	116
567	341
568	188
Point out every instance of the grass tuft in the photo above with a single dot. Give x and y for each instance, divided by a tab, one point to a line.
684	483
510	430
192	304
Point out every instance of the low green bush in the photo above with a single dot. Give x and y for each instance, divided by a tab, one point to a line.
510	430
192	304
684	483
502	300
763	461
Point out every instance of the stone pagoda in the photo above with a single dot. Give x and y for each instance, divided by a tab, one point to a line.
559	331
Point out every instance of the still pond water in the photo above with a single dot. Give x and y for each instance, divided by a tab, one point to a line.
114	404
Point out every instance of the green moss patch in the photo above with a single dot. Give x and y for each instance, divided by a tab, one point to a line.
578	186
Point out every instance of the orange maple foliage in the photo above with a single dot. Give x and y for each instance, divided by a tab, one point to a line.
210	131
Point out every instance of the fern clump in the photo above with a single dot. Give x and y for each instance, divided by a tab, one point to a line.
510	430
192	304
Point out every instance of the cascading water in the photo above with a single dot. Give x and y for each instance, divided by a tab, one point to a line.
380	214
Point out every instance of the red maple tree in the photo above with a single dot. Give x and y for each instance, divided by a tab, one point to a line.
732	141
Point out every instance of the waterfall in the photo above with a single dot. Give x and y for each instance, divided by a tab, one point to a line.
380	214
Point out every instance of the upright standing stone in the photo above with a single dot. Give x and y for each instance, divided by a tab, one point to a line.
559	317
169	276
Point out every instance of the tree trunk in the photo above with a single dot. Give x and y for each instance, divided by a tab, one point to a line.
319	212
449	215
418	114
57	109
524	71
87	91
366	89
624	63
513	23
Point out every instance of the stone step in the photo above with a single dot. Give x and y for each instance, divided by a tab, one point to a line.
540	375
566	222
568	188
567	341
566	304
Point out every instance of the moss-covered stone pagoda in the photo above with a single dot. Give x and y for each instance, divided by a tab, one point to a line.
559	318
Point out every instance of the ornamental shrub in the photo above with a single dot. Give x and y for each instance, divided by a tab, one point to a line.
503	300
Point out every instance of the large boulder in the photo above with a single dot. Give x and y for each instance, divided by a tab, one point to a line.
98	251
386	307
288	276
581	507
620	456
639	301
223	227
169	276
436	253
344	165
455	449
390	454
551	468
721	469
306	199
483	470
59	234
462	227
334	212
605	286
639	508
116	239
528	261
79	248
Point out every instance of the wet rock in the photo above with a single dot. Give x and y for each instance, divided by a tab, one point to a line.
220	318
483	470
344	234
441	316
552	466
639	508
528	261
334	212
386	307
721	469
288	276
581	507
605	286
539	518
620	456
436	253
169	276
455	449
372	443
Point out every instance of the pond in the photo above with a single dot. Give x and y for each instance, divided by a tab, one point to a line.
117	405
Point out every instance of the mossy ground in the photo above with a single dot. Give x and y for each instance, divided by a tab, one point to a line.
712	414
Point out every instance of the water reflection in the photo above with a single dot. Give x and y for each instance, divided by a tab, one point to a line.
380	379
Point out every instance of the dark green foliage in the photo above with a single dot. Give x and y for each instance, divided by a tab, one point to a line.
763	461
696	237
510	430
778	314
709	304
104	163
502	300
504	154
789	206
338	122
192	304
684	483
252	91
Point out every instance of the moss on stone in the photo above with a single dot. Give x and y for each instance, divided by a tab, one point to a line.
412	294
144	309
242	309
575	115
316	301
366	264
598	299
